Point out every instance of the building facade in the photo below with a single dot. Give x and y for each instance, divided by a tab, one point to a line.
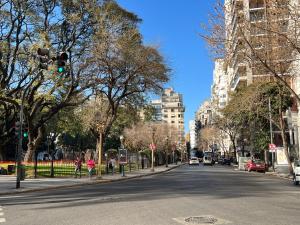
193	135
170	109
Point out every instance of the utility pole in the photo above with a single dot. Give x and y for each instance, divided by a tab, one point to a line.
19	151
271	132
152	149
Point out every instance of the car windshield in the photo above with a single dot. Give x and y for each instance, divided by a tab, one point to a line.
258	161
194	158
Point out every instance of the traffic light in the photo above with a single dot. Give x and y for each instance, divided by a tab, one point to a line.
61	62
25	133
43	55
17	128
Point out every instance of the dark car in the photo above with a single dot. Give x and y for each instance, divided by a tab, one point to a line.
226	161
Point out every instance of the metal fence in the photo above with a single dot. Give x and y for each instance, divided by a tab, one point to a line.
60	168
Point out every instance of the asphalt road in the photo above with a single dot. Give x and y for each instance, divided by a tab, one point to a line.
211	194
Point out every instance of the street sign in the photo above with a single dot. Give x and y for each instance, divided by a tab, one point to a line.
272	147
152	147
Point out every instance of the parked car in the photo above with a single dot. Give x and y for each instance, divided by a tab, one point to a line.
255	165
225	161
296	175
208	160
194	161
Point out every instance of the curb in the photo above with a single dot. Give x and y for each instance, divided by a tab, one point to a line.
99	181
270	174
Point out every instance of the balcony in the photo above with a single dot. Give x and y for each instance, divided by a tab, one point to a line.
239	79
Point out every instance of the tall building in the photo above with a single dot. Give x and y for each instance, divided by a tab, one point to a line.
219	89
157	105
170	109
204	114
251	27
246	22
193	135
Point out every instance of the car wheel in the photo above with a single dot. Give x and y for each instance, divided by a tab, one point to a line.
295	181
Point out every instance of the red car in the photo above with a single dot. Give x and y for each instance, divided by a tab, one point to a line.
255	165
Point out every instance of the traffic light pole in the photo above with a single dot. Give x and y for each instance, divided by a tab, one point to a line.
20	136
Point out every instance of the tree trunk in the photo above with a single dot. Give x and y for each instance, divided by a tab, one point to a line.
233	145
284	140
33	143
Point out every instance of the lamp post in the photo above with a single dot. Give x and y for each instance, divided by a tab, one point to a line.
167	149
49	138
106	162
122	165
152	149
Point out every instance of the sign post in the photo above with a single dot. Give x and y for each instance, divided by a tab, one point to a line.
153	148
123	159
272	149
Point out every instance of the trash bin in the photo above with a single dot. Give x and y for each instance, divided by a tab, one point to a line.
11	169
22	173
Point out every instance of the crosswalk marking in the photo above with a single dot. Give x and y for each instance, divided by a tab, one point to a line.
2	220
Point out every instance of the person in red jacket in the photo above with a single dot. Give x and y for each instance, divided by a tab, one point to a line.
90	166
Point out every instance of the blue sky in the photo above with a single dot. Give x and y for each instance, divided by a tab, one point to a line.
174	26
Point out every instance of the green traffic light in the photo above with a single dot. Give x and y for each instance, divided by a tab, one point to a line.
60	69
25	134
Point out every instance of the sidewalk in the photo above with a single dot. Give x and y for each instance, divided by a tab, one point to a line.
8	183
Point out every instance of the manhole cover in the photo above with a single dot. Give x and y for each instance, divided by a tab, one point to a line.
200	220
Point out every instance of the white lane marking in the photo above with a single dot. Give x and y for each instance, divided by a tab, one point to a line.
11	196
2	220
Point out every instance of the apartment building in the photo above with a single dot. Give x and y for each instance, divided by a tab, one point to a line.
204	114
170	109
219	88
251	27
193	135
247	23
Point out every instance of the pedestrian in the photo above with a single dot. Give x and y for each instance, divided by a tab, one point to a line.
78	164
112	164
90	166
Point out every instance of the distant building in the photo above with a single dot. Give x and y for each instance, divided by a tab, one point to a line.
157	105
204	114
193	135
170	109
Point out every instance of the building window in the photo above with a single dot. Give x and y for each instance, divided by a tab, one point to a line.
172	110
257	15
165	116
256	4
172	121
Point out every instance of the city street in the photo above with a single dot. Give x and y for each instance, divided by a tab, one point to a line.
213	195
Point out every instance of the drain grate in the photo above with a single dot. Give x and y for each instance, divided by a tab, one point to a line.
200	220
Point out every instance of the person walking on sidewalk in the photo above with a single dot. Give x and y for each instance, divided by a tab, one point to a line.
112	164
90	166
78	164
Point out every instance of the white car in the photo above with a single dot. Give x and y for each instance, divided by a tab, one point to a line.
296	177
207	160
194	161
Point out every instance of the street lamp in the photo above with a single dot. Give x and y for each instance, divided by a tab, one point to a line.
121	156
106	162
167	148
49	138
152	149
